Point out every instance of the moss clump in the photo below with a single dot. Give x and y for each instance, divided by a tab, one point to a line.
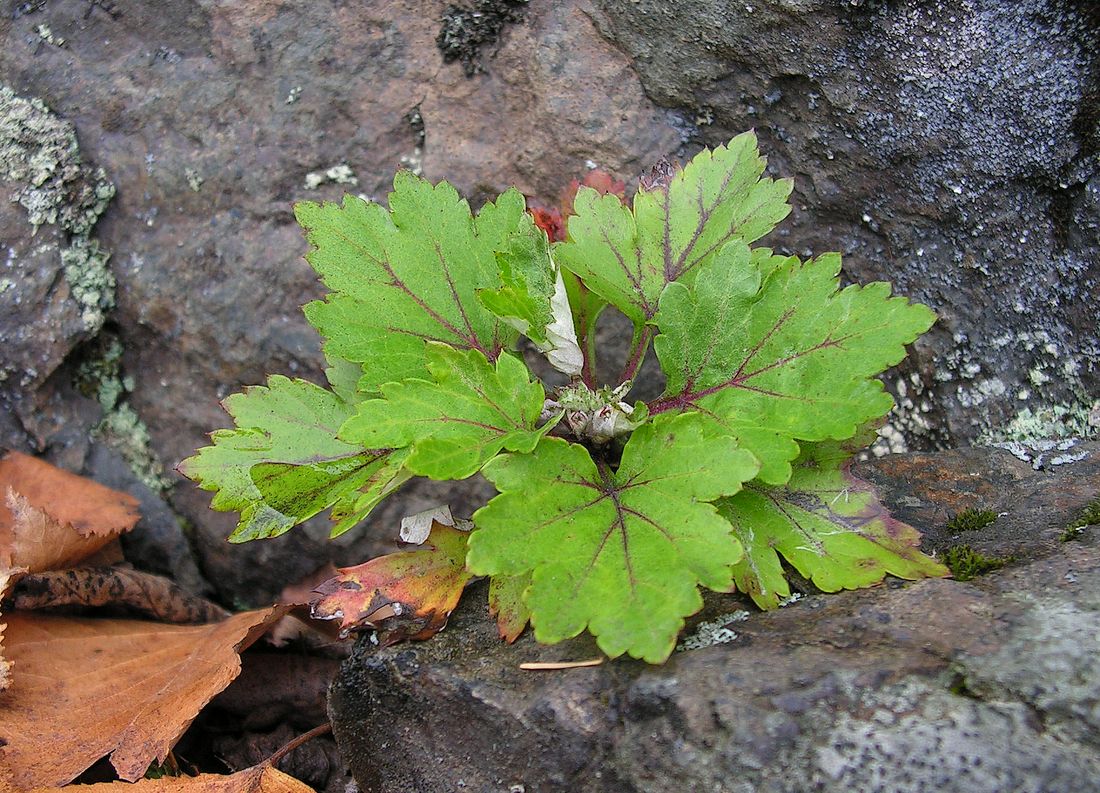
965	563
1090	516
971	520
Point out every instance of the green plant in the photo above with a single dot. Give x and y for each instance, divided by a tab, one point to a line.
1089	516
609	515
972	520
965	563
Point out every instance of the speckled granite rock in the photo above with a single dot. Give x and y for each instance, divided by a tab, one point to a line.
950	147
984	686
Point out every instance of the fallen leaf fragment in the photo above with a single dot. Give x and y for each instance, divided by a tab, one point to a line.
84	688
51	519
405	595
152	595
261	778
554	665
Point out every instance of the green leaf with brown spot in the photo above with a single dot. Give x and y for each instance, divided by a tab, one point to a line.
827	524
283	463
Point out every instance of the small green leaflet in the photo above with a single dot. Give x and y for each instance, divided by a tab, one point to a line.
826	523
618	552
408	275
457	421
533	299
283	463
780	358
506	604
679	222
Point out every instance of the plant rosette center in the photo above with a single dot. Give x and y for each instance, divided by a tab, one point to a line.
595	417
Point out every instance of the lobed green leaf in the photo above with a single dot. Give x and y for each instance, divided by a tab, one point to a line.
780	358
826	523
283	463
457	421
678	223
410	274
621	552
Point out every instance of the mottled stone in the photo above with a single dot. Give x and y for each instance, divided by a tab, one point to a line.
983	686
949	147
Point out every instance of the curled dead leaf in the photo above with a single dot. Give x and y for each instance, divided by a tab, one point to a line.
405	595
150	595
51	519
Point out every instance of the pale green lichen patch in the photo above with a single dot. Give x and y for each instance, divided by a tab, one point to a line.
91	282
712	632
1078	420
194	179
39	153
100	377
337	174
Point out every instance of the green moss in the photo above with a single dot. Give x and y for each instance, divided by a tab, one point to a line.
971	520
965	563
1090	516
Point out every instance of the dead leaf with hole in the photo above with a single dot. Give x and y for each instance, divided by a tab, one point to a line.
405	595
85	688
261	778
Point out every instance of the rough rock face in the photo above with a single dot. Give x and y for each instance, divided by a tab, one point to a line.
983	686
964	131
950	147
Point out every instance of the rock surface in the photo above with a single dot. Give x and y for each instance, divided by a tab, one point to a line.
948	146
986	686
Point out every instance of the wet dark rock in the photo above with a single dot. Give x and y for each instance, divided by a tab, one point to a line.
989	685
212	120
158	543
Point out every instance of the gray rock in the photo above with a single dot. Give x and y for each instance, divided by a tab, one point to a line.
990	685
949	147
951	125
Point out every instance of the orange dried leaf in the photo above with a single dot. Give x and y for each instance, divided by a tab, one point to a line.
406	595
85	688
257	779
51	519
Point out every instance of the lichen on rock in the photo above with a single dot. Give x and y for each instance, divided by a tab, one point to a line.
40	154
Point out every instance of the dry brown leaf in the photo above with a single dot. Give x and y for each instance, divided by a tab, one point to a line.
258	779
150	595
51	519
85	688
